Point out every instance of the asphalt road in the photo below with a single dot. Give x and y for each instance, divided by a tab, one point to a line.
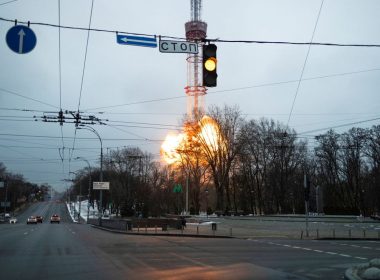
78	251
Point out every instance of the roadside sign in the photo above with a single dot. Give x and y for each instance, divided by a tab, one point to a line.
21	39
177	188
101	185
139	41
5	204
169	46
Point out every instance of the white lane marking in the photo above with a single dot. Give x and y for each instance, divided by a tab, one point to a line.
285	245
344	255
318	251
296	247
356	246
366	247
360	258
25	233
331	253
307	249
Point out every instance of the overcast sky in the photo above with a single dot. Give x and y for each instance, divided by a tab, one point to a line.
341	84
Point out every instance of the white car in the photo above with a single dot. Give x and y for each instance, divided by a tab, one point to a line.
32	220
13	220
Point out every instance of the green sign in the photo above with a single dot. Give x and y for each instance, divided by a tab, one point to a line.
177	188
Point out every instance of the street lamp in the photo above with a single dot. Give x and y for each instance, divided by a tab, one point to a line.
101	164
89	186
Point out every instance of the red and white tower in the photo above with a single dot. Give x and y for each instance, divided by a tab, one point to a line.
196	31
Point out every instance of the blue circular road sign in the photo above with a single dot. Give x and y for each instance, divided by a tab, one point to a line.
21	39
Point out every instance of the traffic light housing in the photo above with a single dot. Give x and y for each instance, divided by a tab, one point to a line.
209	63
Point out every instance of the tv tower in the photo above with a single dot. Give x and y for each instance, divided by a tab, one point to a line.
196	31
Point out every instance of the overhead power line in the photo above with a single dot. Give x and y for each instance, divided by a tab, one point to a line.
233	89
304	64
182	38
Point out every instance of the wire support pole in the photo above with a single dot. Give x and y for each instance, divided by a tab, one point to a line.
101	164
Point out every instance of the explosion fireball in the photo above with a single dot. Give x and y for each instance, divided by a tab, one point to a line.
208	133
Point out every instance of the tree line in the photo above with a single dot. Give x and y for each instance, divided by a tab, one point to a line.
234	165
17	191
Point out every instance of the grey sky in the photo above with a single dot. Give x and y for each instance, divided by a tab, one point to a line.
117	74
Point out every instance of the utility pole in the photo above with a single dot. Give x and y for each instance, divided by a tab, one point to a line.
100	211
307	190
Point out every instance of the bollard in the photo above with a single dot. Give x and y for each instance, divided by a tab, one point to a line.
155	229
363	233
317	233
301	234
349	233
231	232
197	230
334	233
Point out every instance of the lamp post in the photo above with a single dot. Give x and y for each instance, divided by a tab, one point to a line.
89	186
101	164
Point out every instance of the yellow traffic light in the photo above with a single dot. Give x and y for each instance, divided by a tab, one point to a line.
210	64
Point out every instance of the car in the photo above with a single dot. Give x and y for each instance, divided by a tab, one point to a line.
13	220
31	220
55	219
39	219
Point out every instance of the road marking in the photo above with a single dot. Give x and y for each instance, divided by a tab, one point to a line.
307	249
331	253
366	247
25	233
356	246
343	255
318	251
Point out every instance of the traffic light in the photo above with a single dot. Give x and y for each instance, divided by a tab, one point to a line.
209	65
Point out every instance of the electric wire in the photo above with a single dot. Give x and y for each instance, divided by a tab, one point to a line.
339	126
217	40
5	3
82	79
304	65
26	97
232	90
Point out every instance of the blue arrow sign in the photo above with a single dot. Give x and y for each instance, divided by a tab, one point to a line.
21	39
136	41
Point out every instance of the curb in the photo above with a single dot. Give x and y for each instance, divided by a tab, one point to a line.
161	234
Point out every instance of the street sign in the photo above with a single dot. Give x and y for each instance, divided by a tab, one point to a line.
101	185
5	204
177	188
167	46
139	41
21	39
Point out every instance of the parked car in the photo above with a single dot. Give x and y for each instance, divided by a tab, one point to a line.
31	220
13	220
39	219
55	219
